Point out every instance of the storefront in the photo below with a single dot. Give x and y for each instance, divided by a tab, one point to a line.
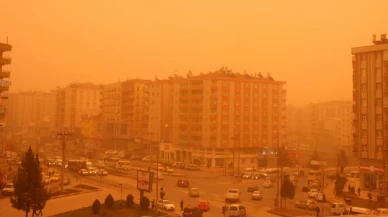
167	151
371	178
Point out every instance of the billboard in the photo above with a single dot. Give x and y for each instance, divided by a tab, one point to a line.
144	180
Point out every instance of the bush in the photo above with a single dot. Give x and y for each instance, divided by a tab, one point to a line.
129	200
144	203
109	201
96	207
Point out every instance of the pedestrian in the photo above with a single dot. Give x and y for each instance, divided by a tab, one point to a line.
182	205
359	191
317	210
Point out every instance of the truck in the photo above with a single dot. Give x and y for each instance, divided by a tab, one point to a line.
232	196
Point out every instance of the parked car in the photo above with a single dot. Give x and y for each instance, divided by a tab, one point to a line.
8	190
183	183
306	204
247	176
83	172
253	188
166	205
92	171
319	197
193	192
312	193
257	176
66	180
305	189
203	205
267	184
237	210
102	172
55	178
192	167
256	195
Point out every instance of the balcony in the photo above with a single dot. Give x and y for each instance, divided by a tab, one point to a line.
385	102
5	74
5	60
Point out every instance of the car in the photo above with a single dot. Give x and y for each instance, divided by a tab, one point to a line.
183	183
267	184
47	180
193	192
169	169
306	204
102	172
66	180
247	176
55	178
192	212
257	176
305	189
203	205
92	171
166	205
83	172
8	189
237	210
256	195
146	158
253	188
192	167
381	211
312	193
319	197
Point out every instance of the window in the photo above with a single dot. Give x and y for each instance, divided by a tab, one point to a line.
378	102
364	133
363	102
379	134
364	118
364	87
378	87
378	117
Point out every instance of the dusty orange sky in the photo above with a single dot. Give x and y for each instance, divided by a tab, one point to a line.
302	42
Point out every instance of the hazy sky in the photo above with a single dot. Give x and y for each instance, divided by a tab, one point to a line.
303	42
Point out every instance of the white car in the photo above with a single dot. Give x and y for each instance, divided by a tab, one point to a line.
256	195
312	193
83	172
319	197
267	184
166	205
8	189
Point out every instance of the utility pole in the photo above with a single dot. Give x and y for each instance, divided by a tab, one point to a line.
385	176
298	154
63	137
157	172
323	186
277	173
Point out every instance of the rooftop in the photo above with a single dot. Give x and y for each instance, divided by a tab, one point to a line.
5	47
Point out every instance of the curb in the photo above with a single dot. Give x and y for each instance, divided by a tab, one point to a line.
72	194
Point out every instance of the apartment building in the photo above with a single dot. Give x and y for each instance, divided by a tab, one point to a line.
370	109
5	72
225	118
125	111
27	108
74	102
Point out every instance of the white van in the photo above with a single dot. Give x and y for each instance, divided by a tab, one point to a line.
337	208
237	210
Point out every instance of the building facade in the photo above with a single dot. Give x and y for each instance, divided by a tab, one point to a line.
370	109
224	118
27	108
74	102
125	113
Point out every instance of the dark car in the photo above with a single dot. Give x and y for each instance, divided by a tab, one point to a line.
305	189
259	176
183	183
192	212
253	188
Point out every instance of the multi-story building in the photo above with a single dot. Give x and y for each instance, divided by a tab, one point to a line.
74	102
26	108
225	118
370	108
125	111
4	61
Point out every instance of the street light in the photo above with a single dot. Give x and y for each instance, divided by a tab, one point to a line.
121	191
277	172
385	176
63	137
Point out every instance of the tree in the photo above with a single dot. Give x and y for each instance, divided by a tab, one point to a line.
144	203
129	200
342	159
109	201
30	193
287	190
96	207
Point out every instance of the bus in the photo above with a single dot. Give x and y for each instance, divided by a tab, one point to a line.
314	175
124	164
111	162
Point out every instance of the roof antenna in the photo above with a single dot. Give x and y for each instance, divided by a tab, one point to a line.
7	39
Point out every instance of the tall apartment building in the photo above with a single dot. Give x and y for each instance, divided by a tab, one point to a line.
26	108
4	61
124	108
74	102
370	108
223	118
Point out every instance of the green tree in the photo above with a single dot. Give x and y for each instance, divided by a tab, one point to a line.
342	159
30	194
287	190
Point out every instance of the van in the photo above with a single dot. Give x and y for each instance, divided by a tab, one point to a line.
237	210
337	208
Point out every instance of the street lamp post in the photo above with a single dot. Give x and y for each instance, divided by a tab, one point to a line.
157	171
385	176
64	136
121	192
277	172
